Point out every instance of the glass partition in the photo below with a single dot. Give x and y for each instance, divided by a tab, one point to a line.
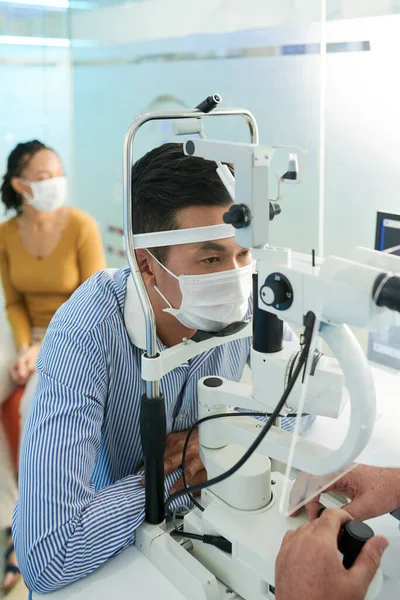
159	54
35	77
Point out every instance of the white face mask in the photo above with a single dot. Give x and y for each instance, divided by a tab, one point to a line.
48	194
213	301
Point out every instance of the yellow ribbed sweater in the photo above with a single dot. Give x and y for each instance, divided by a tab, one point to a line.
35	288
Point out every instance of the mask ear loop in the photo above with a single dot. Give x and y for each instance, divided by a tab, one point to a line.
25	194
159	292
169	272
163	266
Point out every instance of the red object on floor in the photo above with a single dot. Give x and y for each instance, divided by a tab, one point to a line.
10	420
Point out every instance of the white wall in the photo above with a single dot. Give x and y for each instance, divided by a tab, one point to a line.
158	19
35	82
35	100
362	135
186	53
111	89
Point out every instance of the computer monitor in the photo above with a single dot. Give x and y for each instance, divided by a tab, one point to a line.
387	233
384	348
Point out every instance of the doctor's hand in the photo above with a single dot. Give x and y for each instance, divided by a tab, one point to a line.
195	471
309	567
373	491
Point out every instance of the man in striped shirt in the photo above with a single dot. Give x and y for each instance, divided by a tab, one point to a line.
81	497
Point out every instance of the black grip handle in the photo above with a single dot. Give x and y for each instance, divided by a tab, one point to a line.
352	539
267	327
153	430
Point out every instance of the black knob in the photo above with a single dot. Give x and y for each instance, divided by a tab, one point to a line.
277	292
389	295
239	216
274	210
274	293
209	103
353	537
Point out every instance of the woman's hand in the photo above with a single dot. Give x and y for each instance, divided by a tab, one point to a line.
23	368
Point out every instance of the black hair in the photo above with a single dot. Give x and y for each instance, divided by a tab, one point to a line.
165	181
17	162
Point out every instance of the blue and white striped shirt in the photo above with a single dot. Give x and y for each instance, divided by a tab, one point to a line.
80	499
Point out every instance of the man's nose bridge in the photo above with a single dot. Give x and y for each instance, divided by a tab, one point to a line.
232	262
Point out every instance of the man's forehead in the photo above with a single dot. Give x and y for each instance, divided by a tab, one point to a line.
223	245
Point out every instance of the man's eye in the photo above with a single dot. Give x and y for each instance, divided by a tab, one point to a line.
246	252
212	260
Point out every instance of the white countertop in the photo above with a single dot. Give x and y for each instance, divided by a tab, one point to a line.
131	575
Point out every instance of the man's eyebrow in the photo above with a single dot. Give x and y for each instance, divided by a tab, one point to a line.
212	246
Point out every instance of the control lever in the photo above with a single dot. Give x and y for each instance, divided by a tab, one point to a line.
352	538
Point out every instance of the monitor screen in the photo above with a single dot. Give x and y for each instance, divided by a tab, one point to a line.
384	348
387	237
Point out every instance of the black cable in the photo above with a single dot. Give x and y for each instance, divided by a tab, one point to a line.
308	332
214	540
220	416
247	454
190	431
291	415
191	536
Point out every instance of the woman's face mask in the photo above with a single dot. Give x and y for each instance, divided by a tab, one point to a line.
48	194
212	301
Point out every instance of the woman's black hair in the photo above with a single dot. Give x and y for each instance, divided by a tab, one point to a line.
17	162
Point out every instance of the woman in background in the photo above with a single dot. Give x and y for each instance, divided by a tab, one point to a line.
46	251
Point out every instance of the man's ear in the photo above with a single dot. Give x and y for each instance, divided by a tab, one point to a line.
145	263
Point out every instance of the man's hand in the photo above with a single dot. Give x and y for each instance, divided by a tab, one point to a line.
194	468
309	567
25	365
373	491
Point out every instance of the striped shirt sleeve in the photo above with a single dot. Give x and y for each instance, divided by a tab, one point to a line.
63	527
